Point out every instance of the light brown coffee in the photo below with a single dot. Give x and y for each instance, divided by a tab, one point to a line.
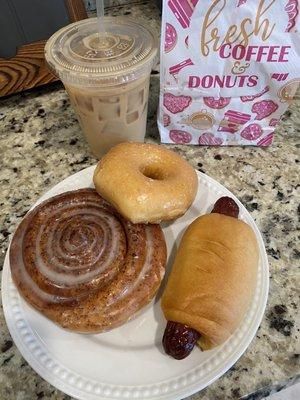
109	116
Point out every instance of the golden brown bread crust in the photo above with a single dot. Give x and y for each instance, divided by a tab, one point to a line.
213	277
75	259
146	182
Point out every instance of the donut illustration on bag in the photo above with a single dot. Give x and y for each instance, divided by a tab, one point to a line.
216	102
264	109
180	137
170	38
176	104
252	132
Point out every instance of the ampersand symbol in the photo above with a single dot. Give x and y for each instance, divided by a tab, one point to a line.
239	68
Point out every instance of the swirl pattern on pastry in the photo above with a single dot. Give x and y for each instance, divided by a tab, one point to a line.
75	259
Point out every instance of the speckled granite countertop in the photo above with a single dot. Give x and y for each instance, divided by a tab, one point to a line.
41	144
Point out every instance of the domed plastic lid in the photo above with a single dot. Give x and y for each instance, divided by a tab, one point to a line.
79	55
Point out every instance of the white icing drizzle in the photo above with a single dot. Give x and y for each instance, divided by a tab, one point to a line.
61	278
93	220
29	282
128	289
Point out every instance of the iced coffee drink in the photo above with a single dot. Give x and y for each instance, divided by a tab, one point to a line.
106	76
108	117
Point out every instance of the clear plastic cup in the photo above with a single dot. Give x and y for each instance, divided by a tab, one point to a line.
106	76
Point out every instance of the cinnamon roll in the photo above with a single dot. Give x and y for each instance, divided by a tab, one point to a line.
81	264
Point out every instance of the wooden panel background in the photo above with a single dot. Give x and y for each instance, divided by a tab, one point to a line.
27	69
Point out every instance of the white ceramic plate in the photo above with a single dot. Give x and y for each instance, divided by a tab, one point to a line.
128	362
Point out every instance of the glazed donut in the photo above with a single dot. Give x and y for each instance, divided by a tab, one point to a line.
76	260
146	182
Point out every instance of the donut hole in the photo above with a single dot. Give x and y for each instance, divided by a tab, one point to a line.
153	172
